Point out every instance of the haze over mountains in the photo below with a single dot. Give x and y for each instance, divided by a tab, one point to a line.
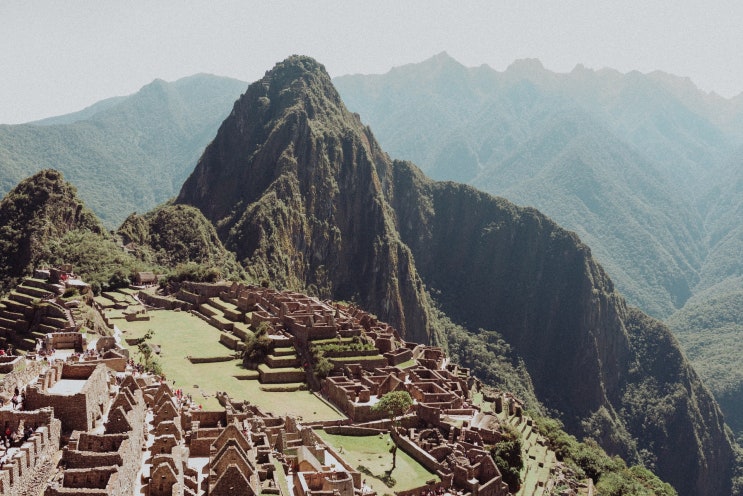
300	190
646	169
124	154
633	163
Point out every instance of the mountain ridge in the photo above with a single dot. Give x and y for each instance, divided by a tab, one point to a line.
147	142
291	177
644	167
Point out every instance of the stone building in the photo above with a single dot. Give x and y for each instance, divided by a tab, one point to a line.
106	463
78	394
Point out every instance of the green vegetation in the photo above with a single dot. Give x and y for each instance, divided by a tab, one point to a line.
96	258
256	347
180	237
146	354
508	456
490	359
331	346
367	229
366	454
178	335
639	166
395	236
624	161
610	474
40	209
394	404
709	330
126	154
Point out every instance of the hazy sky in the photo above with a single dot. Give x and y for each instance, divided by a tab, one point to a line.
60	56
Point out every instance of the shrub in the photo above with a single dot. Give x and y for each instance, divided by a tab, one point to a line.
507	456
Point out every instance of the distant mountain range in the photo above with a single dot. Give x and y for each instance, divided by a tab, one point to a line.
645	168
633	163
299	189
124	154
305	196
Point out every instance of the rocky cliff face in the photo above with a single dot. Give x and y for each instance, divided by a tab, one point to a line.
301	191
613	372
294	184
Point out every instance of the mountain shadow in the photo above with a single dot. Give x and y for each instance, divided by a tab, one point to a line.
304	195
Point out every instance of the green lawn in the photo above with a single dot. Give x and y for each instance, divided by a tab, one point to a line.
180	334
372	452
408	364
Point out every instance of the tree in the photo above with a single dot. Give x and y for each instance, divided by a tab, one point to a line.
256	346
323	366
146	354
394	404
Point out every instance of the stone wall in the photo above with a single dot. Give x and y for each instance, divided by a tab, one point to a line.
191	298
117	364
77	411
23	372
9	364
105	343
398	356
33	463
415	452
210	290
108	461
164	302
66	341
225	358
279	376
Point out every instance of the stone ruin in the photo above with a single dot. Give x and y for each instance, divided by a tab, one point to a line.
123	434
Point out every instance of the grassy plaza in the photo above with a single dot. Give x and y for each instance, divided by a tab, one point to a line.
181	334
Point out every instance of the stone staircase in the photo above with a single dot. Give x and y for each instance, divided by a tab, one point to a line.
281	366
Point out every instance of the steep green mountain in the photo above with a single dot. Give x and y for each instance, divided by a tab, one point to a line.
292	184
175	236
644	168
620	159
304	195
42	221
709	328
127	153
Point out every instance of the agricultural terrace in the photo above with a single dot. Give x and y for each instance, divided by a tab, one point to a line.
181	334
370	455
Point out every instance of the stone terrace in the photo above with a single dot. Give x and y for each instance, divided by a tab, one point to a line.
125	433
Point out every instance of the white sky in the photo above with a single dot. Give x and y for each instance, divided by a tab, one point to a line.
58	56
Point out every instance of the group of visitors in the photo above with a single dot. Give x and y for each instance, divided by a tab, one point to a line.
185	399
11	438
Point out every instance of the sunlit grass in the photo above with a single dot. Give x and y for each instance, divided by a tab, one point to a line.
372	452
180	334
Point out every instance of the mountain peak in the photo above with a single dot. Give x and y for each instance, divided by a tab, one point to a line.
526	67
295	63
295	185
40	208
295	72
